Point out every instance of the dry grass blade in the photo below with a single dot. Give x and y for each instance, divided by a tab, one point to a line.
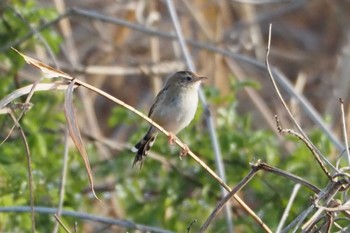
75	133
8	110
69	111
49	71
27	89
25	107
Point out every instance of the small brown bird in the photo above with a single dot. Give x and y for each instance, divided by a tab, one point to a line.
173	109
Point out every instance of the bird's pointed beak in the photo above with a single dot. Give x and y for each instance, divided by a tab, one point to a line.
201	78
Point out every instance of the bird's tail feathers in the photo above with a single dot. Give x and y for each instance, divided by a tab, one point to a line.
142	147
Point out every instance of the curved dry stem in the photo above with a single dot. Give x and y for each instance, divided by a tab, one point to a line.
30	173
63	180
316	152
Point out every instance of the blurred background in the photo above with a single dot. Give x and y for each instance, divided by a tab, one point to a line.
128	49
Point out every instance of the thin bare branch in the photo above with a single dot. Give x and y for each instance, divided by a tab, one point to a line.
306	138
80	215
298	221
59	221
288	207
344	130
307	143
297	179
190	225
63	179
37	33
30	173
233	192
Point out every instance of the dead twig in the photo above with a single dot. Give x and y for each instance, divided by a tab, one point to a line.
288	207
237	188
29	167
315	151
344	130
59	221
307	143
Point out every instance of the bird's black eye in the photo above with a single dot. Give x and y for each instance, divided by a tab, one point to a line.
188	78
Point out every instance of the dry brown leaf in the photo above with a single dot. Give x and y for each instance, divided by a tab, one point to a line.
49	71
75	133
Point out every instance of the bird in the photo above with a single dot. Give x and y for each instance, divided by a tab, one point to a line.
174	108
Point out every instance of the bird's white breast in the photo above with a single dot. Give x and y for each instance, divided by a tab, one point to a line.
178	111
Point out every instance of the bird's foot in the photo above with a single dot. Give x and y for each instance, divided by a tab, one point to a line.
171	138
184	151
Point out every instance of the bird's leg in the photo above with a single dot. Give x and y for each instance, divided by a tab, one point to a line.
171	138
184	151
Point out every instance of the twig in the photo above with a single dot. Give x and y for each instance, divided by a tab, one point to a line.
80	215
189	226
298	221
27	89
61	223
307	143
37	33
326	196
330	222
288	207
297	179
344	129
30	173
32	32
63	179
233	192
317	152
253	94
